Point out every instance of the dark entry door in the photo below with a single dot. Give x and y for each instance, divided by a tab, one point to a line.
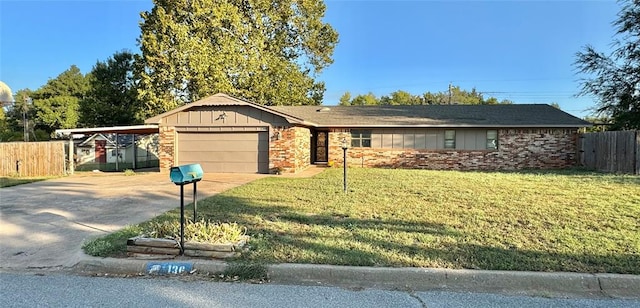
321	144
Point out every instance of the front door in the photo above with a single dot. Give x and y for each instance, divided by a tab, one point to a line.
320	146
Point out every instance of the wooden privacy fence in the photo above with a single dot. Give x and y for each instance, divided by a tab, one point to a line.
615	152
32	158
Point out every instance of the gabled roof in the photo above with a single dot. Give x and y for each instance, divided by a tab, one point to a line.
221	99
94	136
512	115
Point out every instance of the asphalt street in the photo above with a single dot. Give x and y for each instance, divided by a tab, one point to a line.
55	289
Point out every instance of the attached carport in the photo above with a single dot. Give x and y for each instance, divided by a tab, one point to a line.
131	129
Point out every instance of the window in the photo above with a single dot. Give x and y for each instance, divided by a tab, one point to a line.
492	139
113	152
449	139
361	138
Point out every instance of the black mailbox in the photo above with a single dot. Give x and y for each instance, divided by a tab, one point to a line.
186	174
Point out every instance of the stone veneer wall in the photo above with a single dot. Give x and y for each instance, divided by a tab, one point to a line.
166	147
291	152
517	149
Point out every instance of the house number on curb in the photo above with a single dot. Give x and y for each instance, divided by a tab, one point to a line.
162	268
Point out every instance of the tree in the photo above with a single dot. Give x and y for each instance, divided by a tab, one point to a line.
56	103
253	49
400	98
16	114
367	99
112	96
614	79
345	99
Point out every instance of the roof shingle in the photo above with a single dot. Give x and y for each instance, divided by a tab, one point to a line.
515	115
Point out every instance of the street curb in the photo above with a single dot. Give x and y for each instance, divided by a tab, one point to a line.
558	284
96	265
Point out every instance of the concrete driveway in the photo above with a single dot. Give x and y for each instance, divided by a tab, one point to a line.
44	224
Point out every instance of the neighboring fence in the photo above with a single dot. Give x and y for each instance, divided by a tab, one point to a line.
32	158
615	151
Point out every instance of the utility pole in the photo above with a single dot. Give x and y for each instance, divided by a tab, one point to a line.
25	120
450	93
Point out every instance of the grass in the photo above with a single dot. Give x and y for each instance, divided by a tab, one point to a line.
112	245
573	221
13	181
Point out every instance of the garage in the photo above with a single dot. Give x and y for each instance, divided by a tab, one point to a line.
225	152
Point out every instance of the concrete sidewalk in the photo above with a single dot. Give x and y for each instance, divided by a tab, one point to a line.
580	285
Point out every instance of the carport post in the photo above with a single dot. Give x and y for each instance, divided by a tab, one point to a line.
71	166
135	153
117	153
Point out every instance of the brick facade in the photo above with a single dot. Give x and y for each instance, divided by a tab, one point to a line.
290	151
517	149
166	147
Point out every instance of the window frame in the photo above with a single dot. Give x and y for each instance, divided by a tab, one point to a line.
494	141
452	144
359	137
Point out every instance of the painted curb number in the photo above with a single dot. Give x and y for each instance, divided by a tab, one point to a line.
170	268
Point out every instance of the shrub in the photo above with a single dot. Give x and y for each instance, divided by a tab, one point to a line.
129	172
199	231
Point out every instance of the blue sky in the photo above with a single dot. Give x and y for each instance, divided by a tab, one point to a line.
517	50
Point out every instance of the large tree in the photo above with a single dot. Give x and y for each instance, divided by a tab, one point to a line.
264	51
614	78
112	95
56	103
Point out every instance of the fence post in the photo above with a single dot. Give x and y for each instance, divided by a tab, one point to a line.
71	165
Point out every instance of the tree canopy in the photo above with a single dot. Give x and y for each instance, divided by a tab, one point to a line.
454	96
264	51
614	79
112	95
56	103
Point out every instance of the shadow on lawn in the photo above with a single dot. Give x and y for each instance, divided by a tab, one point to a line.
358	243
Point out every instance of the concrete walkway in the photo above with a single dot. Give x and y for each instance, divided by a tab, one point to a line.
44	224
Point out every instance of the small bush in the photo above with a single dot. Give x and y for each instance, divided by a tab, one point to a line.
199	231
129	172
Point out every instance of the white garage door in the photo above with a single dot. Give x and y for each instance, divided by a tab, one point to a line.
228	152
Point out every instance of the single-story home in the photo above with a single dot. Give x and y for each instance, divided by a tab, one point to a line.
97	148
226	134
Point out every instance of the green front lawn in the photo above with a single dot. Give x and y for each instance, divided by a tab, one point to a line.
537	221
13	181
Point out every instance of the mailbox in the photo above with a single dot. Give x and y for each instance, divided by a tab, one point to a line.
181	175
186	174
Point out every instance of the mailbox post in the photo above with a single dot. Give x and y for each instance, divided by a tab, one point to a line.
183	175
